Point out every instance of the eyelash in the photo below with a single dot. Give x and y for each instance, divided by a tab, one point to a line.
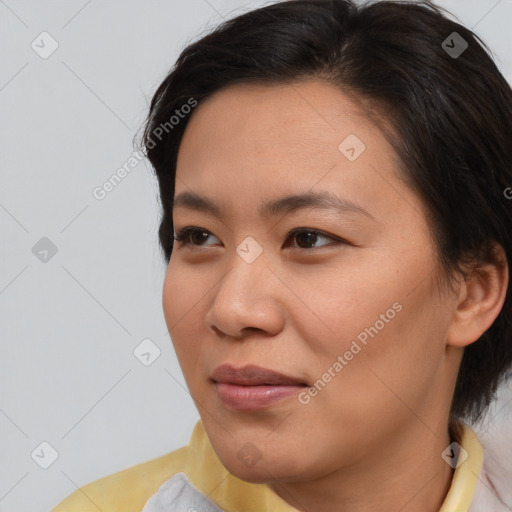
183	236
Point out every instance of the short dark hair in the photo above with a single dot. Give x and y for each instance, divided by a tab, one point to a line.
451	118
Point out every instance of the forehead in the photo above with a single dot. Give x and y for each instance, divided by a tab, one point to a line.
252	141
286	124
280	111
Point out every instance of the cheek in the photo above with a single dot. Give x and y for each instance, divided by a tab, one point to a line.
388	366
181	294
332	306
170	303
180	300
390	341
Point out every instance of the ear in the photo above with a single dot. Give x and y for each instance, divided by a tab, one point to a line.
481	297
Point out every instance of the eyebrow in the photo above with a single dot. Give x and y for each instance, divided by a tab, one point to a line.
283	205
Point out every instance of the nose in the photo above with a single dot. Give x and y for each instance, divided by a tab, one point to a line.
248	298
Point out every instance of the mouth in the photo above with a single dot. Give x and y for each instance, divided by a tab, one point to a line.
252	388
252	375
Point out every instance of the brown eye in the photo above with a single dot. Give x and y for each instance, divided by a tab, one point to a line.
308	237
192	236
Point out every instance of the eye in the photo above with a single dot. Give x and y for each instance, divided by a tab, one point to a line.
307	237
194	236
190	235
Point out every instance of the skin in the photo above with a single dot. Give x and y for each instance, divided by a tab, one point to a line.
372	438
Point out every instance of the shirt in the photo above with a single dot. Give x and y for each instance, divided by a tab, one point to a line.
193	479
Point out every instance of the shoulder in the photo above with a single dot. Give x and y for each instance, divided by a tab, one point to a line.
127	490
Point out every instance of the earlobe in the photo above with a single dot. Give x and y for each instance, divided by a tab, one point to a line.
481	298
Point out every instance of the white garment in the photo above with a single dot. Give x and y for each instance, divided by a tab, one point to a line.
488	497
177	494
494	490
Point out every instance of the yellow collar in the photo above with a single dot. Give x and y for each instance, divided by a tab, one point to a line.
205	471
465	477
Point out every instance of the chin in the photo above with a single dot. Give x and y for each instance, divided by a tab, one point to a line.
263	470
255	475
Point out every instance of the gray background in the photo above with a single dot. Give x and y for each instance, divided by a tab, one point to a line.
69	325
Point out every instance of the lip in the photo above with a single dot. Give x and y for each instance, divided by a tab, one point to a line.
252	375
251	387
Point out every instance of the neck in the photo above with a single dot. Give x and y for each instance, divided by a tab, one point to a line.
405	473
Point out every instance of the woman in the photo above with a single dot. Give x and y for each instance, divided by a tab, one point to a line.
336	225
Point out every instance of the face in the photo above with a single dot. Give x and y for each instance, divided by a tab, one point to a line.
343	299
